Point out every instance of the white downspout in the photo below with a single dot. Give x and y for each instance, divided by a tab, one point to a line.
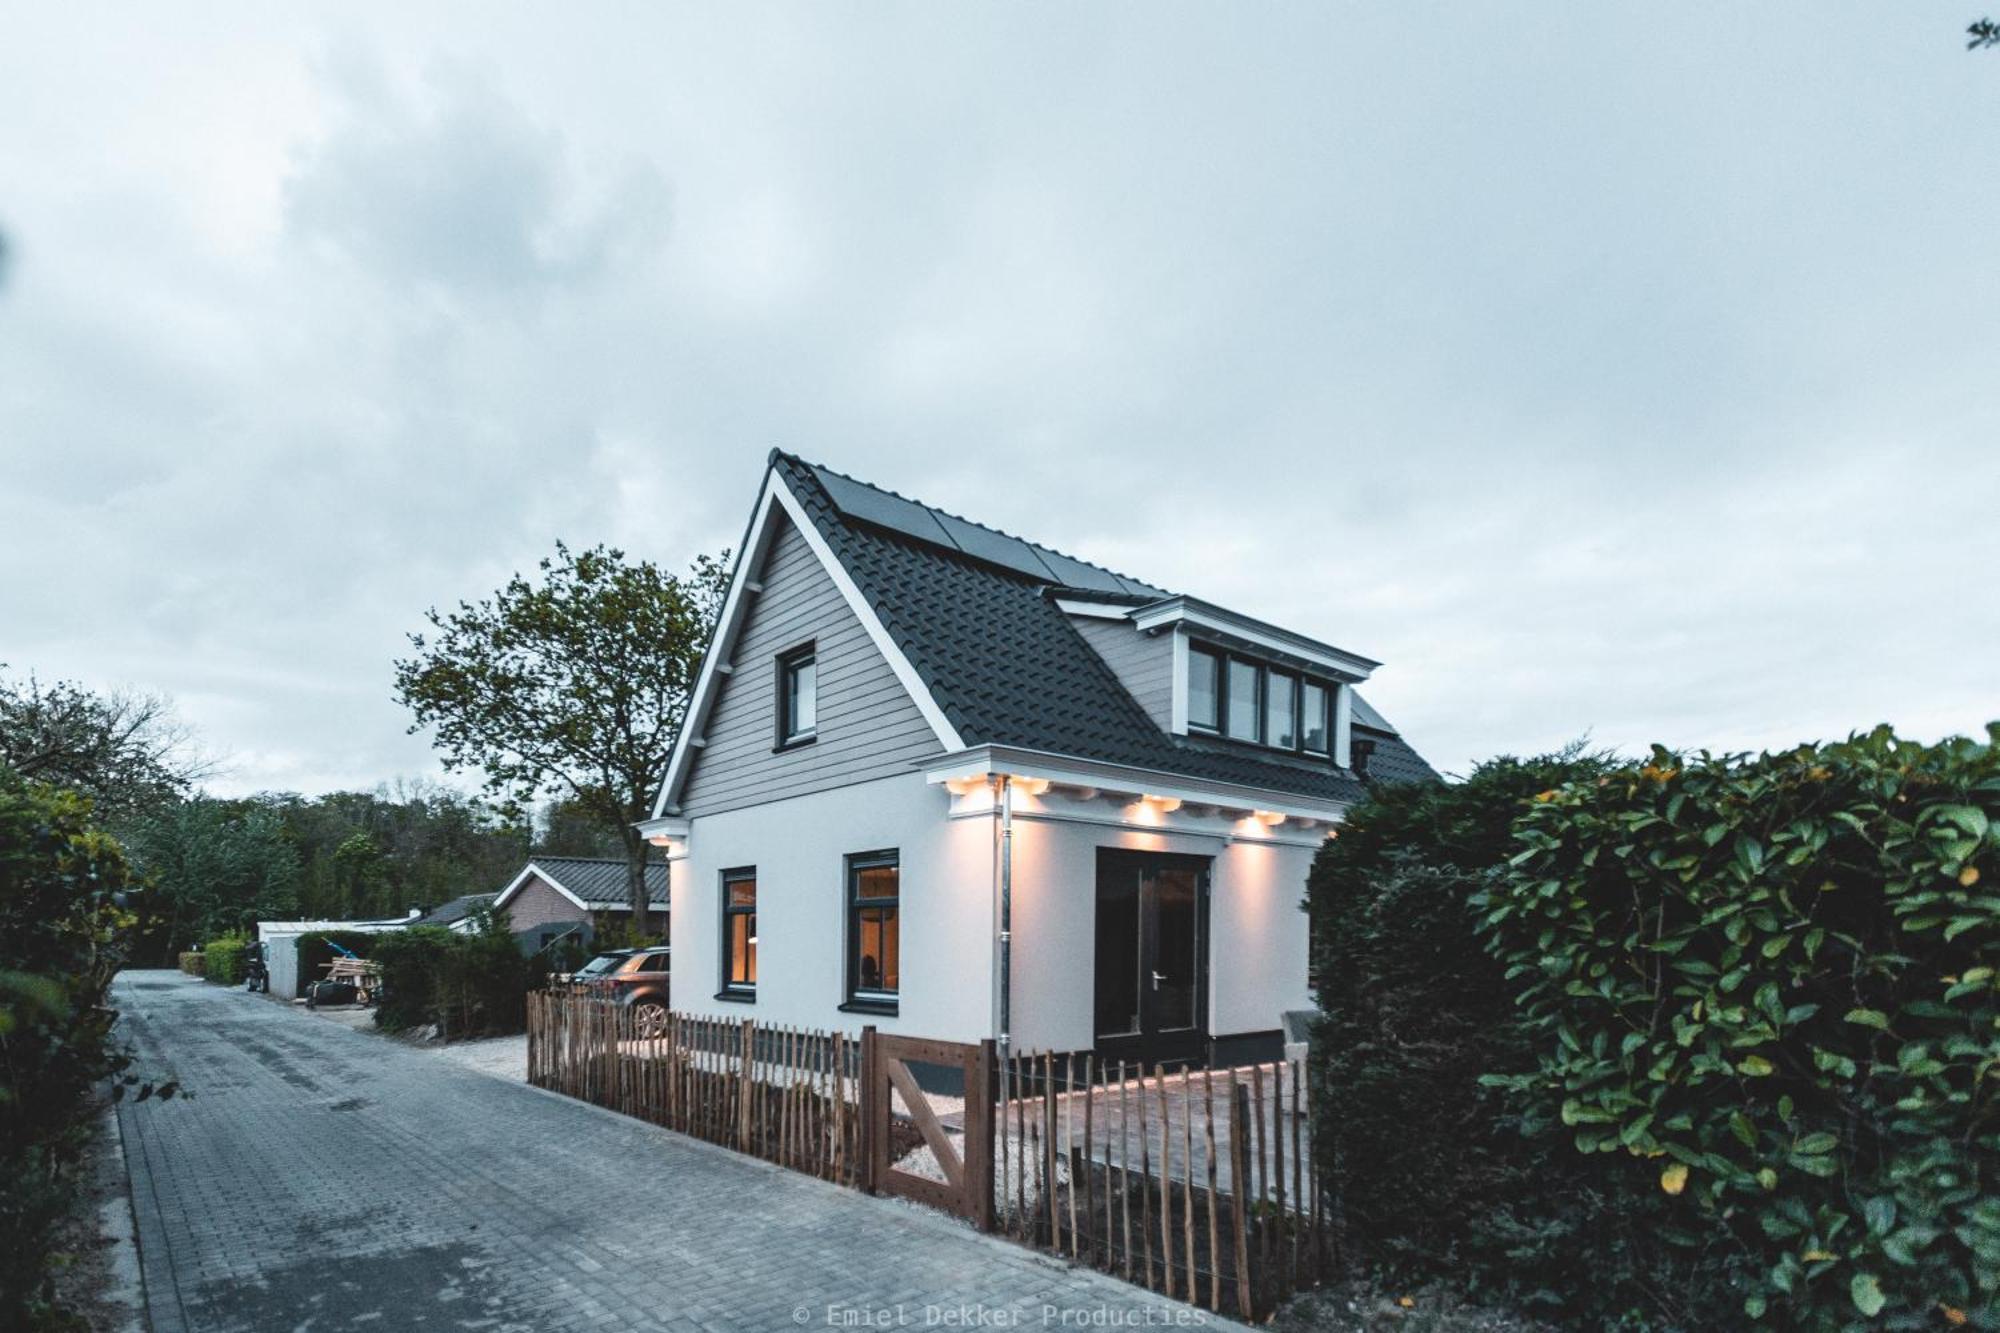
1006	936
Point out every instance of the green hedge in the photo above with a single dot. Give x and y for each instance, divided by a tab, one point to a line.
471	984
1435	1177
63	930
222	960
1766	990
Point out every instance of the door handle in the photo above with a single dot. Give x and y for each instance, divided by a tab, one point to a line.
1157	979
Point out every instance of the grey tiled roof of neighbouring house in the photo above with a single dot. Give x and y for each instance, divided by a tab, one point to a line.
600	882
972	610
457	909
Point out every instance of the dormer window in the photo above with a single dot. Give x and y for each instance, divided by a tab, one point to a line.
1204	690
1316	707
1248	700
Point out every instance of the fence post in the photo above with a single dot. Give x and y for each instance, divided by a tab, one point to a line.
871	1097
1239	1172
980	1091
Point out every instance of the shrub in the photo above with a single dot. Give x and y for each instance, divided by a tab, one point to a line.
193	964
63	929
1436	1177
1765	989
222	960
467	984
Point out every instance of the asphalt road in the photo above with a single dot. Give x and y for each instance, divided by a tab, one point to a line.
317	1179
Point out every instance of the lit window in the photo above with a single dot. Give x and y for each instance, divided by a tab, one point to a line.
1281	711
874	928
798	695
1314	703
739	930
1204	699
1244	678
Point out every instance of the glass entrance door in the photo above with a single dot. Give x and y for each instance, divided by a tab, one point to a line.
1151	956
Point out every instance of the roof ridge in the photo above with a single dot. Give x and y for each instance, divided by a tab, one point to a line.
969	522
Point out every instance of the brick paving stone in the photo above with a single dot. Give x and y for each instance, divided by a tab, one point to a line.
319	1179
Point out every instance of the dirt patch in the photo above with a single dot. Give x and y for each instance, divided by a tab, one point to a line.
97	1277
1355	1307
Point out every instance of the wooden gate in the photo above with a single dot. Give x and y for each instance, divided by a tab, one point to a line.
967	1165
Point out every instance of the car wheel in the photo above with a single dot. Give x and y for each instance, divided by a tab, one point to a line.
649	1018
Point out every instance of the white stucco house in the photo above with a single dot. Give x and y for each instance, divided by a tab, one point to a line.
959	785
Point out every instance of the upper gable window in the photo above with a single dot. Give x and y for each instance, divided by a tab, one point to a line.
798	696
1315	707
1281	710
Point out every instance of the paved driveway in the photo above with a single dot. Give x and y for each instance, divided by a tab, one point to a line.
321	1179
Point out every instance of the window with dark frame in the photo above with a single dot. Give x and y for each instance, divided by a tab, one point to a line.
798	695
1244	699
874	930
1240	720
739	931
1204	690
1316	725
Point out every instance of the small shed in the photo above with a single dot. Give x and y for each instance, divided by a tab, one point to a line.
281	946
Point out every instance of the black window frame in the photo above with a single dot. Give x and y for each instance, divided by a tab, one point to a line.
787	735
1259	673
744	992
857	998
1267	671
1212	727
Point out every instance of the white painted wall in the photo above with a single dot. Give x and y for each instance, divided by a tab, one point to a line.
799	848
1257	930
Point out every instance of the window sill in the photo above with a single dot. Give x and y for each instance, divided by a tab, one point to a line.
737	996
795	743
885	1008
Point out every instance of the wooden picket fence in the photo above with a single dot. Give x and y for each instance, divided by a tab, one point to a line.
788	1095
1197	1184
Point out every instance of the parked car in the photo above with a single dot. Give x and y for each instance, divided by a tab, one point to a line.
639	979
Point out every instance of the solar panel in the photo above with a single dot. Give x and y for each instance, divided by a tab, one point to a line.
998	547
881	508
1075	574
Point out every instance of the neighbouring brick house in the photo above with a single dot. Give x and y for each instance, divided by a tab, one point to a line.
555	894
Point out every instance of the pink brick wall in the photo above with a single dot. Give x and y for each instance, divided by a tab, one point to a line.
538	904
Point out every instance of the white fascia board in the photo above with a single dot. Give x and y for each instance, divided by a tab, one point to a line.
1093	610
727	622
985	760
775	496
667	826
1178	611
913	684
535	872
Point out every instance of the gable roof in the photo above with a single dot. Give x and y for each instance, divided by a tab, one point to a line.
972	614
457	909
595	884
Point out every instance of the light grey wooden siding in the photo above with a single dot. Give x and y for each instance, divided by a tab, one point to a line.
868	725
1144	664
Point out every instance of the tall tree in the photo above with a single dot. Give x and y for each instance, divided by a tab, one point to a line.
572	685
126	751
215	865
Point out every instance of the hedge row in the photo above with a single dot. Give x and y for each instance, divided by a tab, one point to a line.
1737	1023
464	984
63	926
1768	988
222	960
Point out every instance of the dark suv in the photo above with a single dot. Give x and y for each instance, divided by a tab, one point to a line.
639	979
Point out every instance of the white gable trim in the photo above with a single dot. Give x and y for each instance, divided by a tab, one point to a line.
534	871
777	495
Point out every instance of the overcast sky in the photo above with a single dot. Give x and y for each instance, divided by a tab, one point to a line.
1599	368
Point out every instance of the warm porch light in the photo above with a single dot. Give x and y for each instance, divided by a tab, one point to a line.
1268	818
661	840
963	786
1030	786
1166	805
